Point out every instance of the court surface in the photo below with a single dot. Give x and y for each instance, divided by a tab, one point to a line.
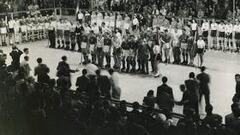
221	66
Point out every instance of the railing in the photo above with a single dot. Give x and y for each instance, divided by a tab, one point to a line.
130	105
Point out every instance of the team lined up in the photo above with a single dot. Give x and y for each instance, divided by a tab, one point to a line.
131	46
27	29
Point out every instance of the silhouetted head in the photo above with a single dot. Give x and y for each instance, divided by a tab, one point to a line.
111	71
84	72
64	58
164	79
203	68
191	75
39	60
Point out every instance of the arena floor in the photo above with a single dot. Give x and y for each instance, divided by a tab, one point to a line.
221	67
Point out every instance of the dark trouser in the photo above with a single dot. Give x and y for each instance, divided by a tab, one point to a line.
79	43
73	44
144	65
152	60
51	35
238	45
94	58
176	54
206	94
117	57
100	57
85	55
194	105
107	56
67	45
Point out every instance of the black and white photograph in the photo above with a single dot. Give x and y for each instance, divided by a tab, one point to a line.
119	67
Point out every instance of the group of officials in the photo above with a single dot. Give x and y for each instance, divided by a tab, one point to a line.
131	46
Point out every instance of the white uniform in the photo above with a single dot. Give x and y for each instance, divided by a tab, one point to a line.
99	19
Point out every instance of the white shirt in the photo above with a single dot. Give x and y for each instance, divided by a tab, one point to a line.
205	26
214	26
135	21
221	27
80	16
91	69
95	29
67	26
200	44
11	24
194	26
236	28
229	28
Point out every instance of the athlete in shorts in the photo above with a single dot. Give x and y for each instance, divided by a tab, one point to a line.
237	36
214	27
228	37
221	35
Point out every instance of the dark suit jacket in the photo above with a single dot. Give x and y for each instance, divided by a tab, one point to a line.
104	85
16	58
204	81
165	97
193	88
83	83
63	69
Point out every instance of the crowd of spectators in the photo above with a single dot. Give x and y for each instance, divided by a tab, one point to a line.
221	9
47	106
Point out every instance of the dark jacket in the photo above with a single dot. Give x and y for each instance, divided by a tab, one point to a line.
165	97
16	58
41	72
63	69
193	88
204	81
104	85
82	83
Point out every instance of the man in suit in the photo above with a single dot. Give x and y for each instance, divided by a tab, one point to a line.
193	89
103	84
41	72
204	80
15	54
63	68
237	79
165	99
83	82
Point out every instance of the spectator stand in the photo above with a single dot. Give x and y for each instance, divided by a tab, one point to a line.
175	116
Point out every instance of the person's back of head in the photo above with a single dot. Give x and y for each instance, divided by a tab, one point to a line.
26	58
164	80
235	109
84	72
39	60
98	72
26	50
111	71
209	109
182	87
135	105
203	68
64	58
191	75
150	93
